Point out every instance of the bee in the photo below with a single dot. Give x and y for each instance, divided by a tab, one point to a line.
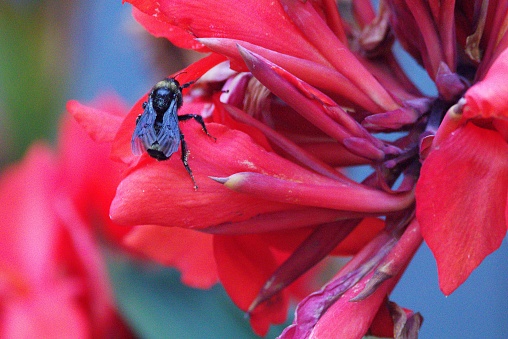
157	131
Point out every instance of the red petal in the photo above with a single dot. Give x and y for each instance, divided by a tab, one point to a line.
86	259
100	124
487	98
161	193
382	324
310	103
290	219
189	251
90	176
461	201
272	28
53	281
51	314
312	250
361	236
161	28
299	154
244	264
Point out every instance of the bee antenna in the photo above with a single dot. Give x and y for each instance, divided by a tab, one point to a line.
187	84
177	74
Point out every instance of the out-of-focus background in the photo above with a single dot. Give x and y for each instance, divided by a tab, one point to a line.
52	51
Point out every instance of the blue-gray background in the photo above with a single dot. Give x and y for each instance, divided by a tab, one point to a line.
107	56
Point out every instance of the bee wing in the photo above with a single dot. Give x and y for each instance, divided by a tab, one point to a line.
169	135
144	134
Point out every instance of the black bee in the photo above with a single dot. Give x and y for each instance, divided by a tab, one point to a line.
157	131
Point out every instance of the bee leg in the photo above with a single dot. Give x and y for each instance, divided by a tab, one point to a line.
199	120
185	156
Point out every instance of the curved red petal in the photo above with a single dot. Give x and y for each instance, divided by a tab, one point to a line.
162	29
189	251
461	201
90	176
272	28
316	30
100	124
317	192
487	98
313	72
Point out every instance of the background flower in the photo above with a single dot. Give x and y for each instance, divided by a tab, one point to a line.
54	279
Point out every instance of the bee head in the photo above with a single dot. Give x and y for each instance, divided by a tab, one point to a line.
164	93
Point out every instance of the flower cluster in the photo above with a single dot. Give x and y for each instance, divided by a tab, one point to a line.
294	93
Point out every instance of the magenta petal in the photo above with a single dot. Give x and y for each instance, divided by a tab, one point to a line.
364	148
392	120
310	103
449	84
314	72
302	156
330	313
319	34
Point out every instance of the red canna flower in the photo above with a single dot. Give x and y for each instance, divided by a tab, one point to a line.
293	92
476	126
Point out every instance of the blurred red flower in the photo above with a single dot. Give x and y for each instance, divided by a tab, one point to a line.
303	94
54	279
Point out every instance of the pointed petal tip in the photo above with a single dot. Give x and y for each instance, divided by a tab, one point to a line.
248	57
223	46
244	51
255	303
234	181
220	180
252	59
204	41
363	148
